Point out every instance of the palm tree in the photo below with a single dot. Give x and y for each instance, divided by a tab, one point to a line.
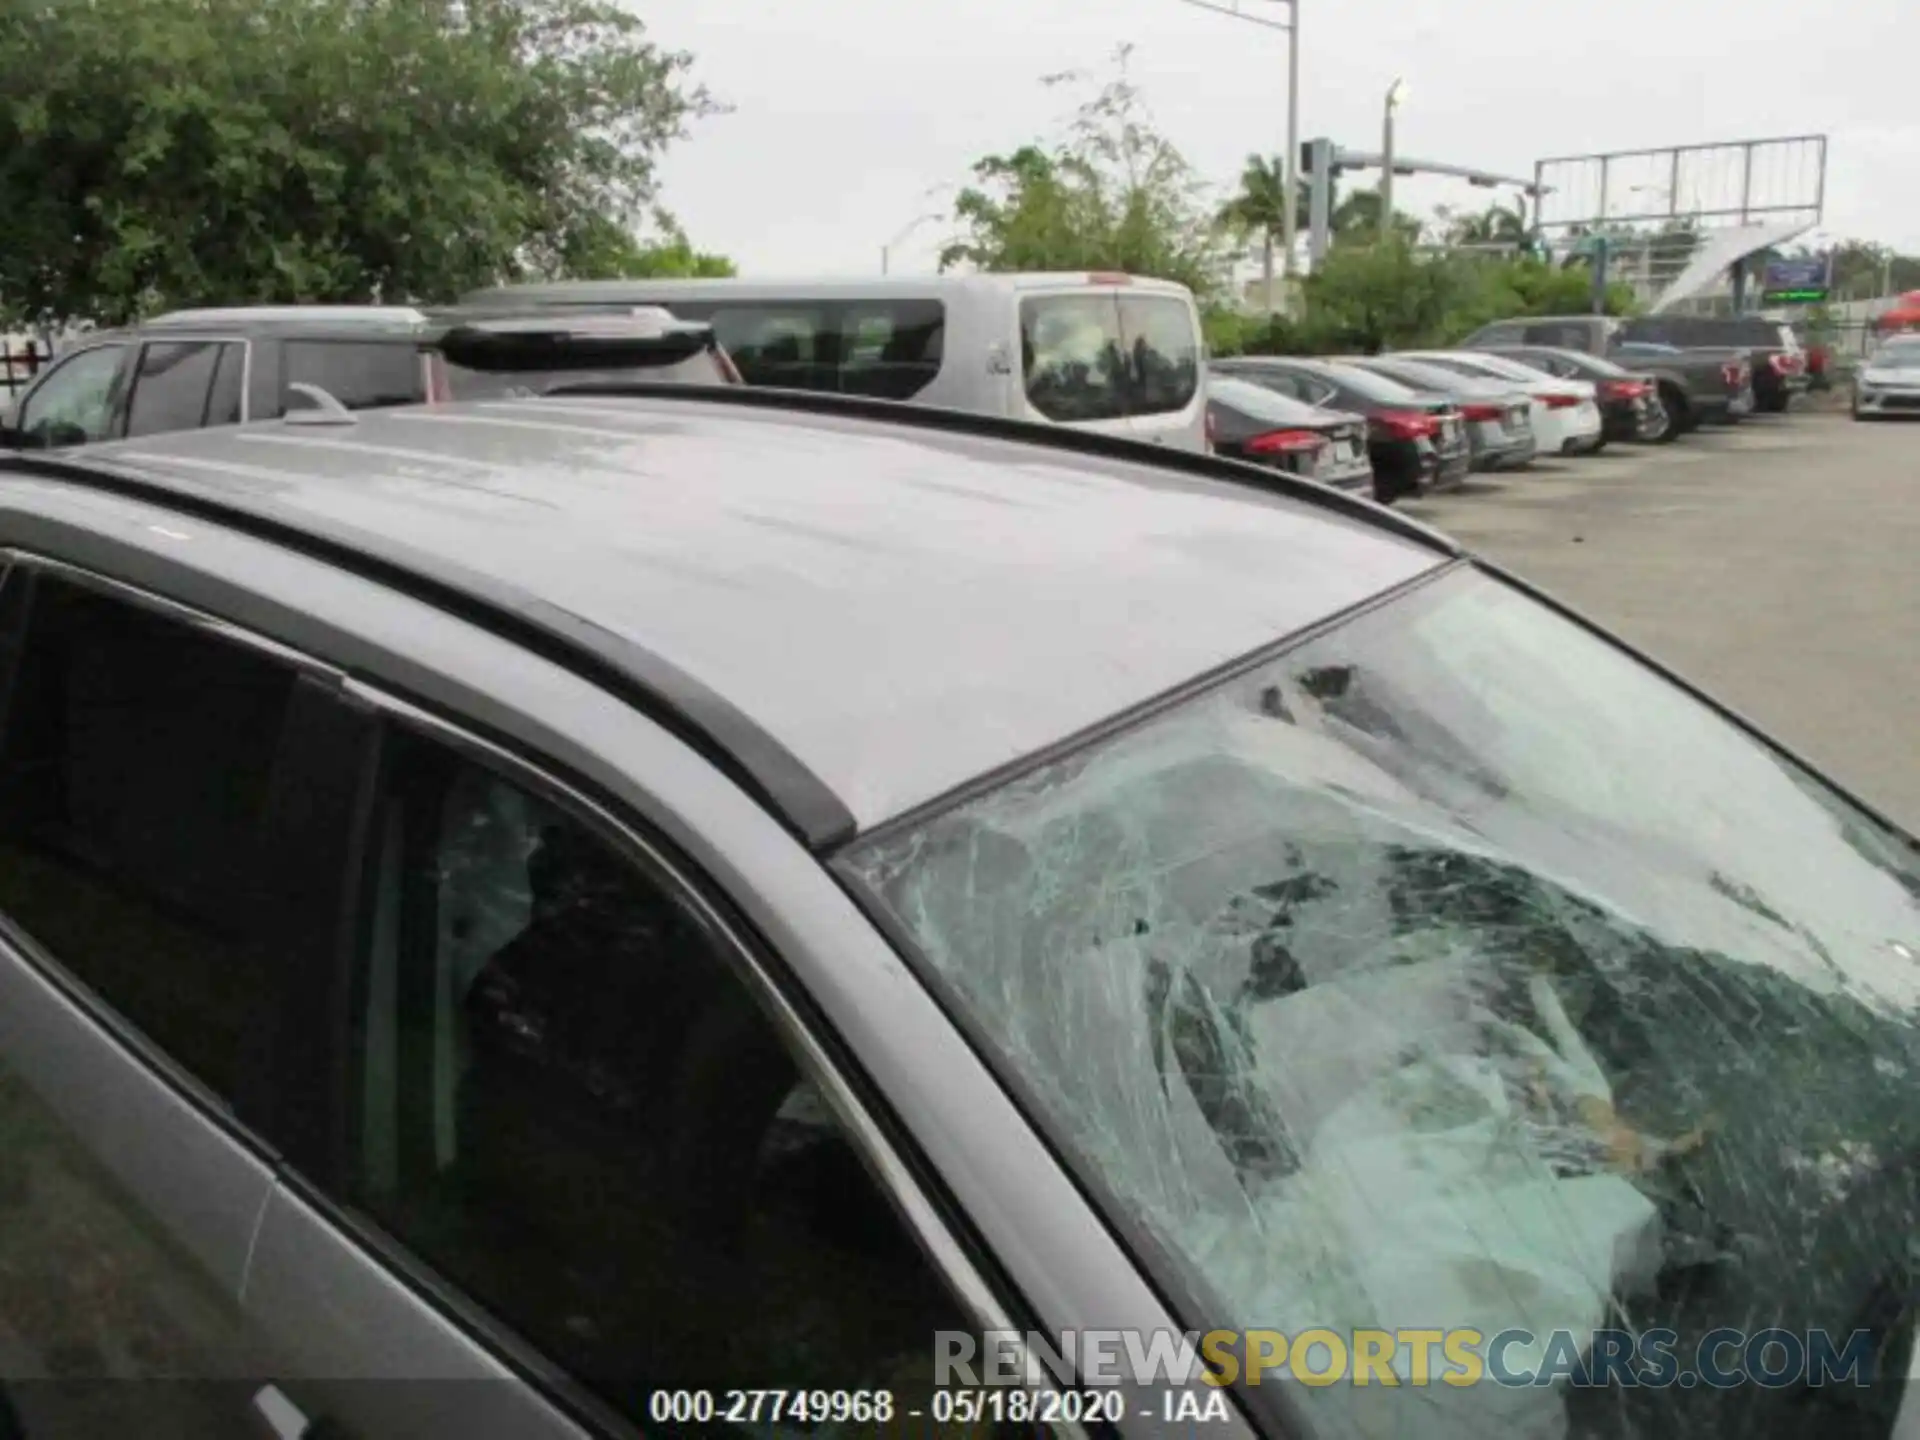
1259	208
1496	225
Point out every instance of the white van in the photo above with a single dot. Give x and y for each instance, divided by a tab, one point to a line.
1104	352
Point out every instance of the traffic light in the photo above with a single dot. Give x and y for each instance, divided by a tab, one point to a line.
1315	152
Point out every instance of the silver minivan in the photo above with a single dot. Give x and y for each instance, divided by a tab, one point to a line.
1106	352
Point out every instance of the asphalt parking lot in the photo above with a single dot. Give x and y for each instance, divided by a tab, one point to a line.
1776	564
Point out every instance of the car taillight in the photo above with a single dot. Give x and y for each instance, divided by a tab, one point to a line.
1558	402
1780	364
1623	389
1734	372
1406	424
1483	412
1286	442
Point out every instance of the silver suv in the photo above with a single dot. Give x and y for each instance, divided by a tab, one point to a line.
195	368
640	912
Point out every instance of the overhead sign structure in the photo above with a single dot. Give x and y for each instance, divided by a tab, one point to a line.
1685	221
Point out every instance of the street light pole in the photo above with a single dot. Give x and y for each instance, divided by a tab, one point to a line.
1396	92
1290	172
1290	162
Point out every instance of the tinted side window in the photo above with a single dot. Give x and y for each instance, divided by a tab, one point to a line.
1571	336
784	345
1074	357
570	1105
134	777
171	387
75	401
1164	348
891	349
359	375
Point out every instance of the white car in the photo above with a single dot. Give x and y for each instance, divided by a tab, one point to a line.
1566	413
1889	382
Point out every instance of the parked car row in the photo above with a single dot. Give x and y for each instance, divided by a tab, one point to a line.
1106	353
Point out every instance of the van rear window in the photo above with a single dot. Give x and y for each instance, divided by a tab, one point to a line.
1094	356
1164	350
1072	356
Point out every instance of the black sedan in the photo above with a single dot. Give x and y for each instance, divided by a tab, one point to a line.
1630	407
1249	422
1499	417
1416	439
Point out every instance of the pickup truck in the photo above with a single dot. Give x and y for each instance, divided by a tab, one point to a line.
1773	350
1696	386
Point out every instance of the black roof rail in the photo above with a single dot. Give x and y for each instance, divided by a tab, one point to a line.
1052	436
712	725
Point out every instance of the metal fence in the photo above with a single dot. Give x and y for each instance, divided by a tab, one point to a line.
20	361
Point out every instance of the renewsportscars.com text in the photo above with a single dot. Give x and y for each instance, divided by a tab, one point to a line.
1721	1359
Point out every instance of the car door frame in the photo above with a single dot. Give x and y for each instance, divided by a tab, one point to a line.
962	1161
119	388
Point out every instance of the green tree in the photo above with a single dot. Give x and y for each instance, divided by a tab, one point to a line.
1374	297
1357	219
1111	194
230	151
1259	208
606	250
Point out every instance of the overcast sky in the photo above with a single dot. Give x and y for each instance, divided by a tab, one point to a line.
846	113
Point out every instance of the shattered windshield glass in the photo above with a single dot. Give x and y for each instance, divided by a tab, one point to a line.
1454	969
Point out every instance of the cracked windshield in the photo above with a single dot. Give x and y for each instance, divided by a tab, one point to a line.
1453	970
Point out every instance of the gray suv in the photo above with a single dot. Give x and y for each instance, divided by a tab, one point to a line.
653	911
195	368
